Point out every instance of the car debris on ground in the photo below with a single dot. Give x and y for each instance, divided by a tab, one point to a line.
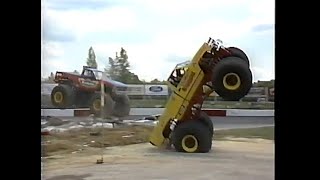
51	124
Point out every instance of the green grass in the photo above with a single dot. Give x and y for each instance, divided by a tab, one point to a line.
151	103
263	133
74	140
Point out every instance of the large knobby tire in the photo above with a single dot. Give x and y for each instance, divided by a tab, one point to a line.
232	78
192	137
122	105
95	105
204	118
236	52
62	96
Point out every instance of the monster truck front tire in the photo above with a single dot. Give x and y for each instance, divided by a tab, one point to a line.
95	105
232	78
192	137
236	52
62	96
122	105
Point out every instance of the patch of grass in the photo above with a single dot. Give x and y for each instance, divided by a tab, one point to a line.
263	133
63	146
77	140
80	139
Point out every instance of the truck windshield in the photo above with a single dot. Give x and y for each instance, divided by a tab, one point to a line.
183	64
178	73
98	75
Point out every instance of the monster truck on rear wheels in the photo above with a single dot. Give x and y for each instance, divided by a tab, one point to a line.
213	68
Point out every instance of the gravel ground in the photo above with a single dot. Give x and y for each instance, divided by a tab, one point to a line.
235	159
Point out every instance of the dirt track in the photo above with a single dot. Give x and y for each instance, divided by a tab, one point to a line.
229	160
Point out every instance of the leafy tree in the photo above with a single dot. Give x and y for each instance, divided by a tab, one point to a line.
155	81
51	77
119	69
91	60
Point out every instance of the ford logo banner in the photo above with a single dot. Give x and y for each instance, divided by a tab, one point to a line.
155	89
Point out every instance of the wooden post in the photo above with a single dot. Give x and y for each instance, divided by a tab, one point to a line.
102	100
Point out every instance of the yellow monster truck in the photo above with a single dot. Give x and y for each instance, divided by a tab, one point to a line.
214	67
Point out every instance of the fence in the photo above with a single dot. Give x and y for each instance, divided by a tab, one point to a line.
138	91
162	91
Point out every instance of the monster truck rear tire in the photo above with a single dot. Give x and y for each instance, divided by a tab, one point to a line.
122	105
232	78
62	96
204	118
192	137
95	105
236	52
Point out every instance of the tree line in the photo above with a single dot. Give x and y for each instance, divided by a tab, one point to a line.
118	68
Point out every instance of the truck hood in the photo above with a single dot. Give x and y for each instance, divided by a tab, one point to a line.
72	73
104	79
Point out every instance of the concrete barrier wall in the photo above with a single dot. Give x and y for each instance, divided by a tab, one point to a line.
146	111
57	112
153	111
247	112
214	112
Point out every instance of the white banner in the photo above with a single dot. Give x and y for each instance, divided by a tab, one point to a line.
135	89
158	90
